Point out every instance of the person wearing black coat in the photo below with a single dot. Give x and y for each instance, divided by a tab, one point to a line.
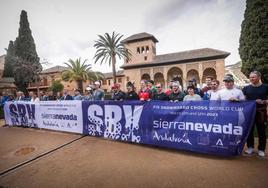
131	94
160	94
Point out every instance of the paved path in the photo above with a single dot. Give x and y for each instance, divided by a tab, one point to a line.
95	162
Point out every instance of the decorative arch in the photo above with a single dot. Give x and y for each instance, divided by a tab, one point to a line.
159	78
145	77
175	74
193	74
209	72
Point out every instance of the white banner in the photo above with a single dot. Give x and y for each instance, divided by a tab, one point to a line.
60	115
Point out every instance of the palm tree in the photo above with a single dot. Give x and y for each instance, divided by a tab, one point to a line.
108	47
80	72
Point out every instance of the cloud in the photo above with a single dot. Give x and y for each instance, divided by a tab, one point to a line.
171	10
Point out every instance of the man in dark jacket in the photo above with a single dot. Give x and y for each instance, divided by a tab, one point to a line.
131	94
160	94
259	92
117	94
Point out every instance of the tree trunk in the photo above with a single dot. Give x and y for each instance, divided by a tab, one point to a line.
113	66
80	85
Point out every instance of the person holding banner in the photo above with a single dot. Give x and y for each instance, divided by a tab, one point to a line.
131	94
160	94
117	94
230	92
144	94
214	91
66	95
176	94
257	91
191	94
20	96
98	93
77	95
33	97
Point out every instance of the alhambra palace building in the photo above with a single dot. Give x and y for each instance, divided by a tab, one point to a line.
181	66
146	64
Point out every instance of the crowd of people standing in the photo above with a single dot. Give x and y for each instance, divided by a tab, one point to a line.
256	91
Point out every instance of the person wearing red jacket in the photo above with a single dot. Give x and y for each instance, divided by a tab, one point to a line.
144	93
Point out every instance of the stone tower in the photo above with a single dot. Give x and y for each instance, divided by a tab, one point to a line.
142	47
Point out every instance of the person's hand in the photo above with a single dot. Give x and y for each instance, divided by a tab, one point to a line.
232	99
259	101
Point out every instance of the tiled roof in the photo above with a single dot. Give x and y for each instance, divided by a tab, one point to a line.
110	74
182	57
54	69
138	37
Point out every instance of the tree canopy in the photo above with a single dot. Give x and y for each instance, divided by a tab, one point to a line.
253	48
9	60
108	48
79	72
22	60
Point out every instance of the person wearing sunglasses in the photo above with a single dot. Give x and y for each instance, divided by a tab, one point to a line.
160	94
214	91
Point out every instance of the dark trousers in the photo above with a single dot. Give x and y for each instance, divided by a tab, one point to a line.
261	127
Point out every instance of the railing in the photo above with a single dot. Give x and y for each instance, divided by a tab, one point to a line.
40	84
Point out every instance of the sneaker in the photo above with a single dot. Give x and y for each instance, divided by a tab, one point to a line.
249	151
261	153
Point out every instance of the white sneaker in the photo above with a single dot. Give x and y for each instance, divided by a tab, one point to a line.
249	151
261	153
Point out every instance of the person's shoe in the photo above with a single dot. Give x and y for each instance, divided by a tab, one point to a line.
249	151
261	153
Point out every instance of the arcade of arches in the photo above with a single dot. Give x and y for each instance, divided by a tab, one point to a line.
176	74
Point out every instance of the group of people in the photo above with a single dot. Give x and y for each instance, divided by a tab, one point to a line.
149	91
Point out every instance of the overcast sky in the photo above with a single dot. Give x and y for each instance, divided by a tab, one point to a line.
64	29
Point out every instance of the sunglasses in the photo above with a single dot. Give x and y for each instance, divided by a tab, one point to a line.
158	87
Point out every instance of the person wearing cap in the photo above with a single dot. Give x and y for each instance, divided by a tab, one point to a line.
131	94
197	90
160	94
77	95
98	93
144	93
230	92
258	92
117	94
191	94
176	94
88	94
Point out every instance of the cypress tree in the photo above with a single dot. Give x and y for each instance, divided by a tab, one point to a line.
27	66
253	48
9	60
